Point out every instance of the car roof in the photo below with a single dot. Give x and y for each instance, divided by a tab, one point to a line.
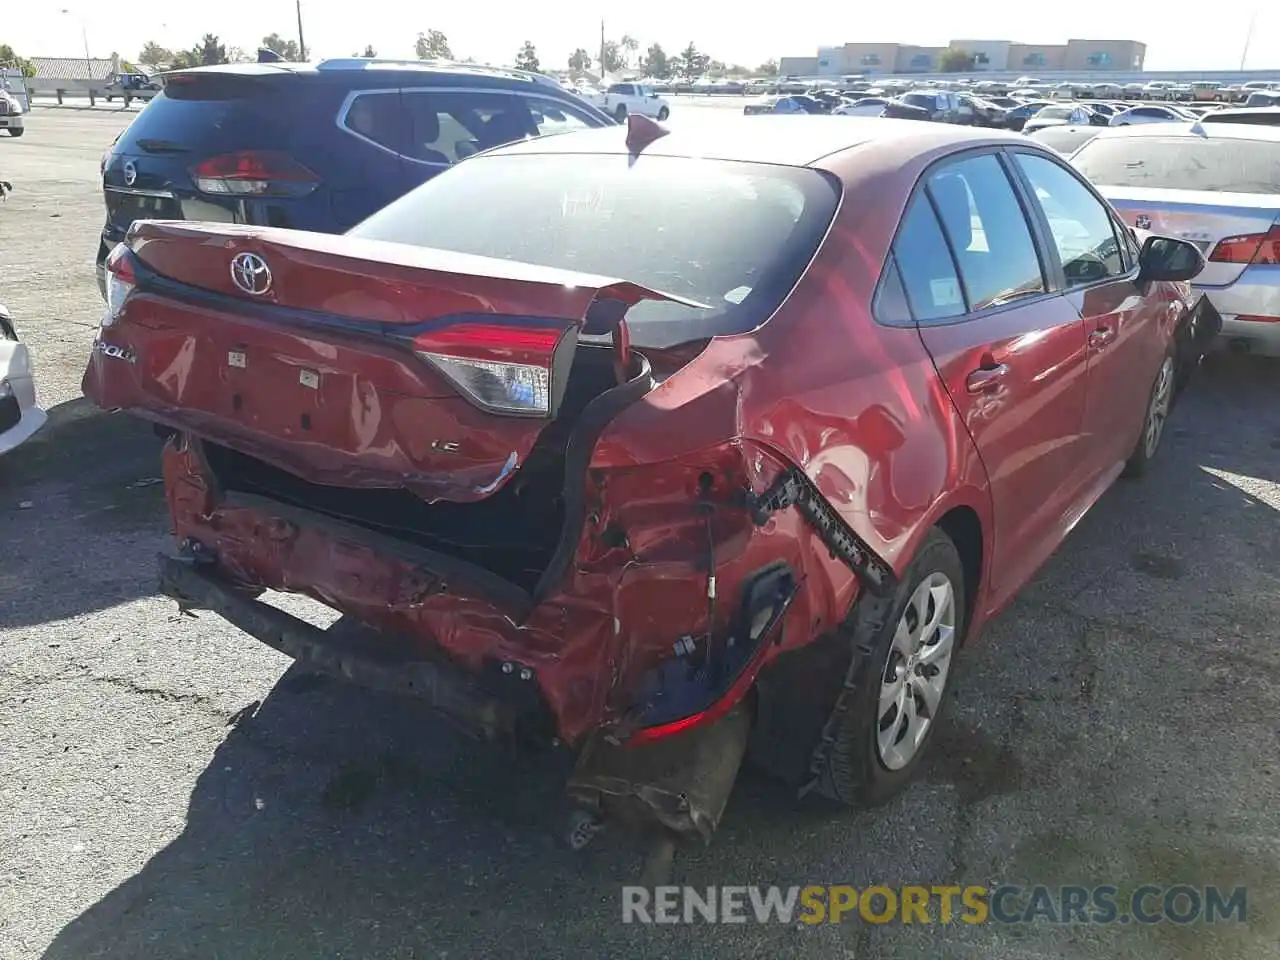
795	141
1196	130
353	66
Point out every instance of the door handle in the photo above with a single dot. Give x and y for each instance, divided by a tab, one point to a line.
1102	336
985	379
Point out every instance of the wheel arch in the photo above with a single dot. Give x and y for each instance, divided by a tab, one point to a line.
964	527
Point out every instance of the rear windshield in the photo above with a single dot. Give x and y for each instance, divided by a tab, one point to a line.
195	114
732	236
1182	163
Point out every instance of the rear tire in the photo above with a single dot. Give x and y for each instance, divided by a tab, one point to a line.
907	660
1159	402
620	114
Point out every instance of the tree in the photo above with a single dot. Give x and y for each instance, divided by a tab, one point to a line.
237	55
611	57
286	48
211	51
154	55
9	58
655	63
768	69
368	52
693	62
629	45
433	45
580	61
716	68
955	60
527	58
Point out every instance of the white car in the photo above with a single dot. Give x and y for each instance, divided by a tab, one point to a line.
1150	114
865	107
11	114
19	415
624	98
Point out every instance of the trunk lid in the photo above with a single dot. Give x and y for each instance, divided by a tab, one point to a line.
1206	219
346	361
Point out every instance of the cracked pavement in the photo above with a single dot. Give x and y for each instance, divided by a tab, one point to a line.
173	789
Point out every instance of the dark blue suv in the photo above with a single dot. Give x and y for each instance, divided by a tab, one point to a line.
316	146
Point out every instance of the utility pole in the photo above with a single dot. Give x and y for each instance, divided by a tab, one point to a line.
1244	54
302	44
602	49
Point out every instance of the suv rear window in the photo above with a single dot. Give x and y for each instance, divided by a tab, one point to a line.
193	113
1182	163
733	236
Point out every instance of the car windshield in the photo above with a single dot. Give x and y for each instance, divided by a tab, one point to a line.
646	220
1182	163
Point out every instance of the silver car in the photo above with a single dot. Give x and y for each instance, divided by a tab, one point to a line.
1217	185
19	415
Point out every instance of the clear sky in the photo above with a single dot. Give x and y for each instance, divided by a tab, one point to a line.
1185	35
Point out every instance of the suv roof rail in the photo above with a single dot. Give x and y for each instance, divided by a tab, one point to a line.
453	66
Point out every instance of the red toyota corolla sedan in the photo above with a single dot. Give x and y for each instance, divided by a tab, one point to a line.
658	445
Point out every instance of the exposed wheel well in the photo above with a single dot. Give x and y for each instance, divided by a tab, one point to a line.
964	528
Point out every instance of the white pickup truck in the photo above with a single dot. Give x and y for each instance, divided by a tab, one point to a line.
623	98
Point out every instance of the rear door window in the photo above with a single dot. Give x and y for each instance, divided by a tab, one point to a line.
987	230
927	271
447	126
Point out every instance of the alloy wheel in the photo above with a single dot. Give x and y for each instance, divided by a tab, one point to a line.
1158	413
916	671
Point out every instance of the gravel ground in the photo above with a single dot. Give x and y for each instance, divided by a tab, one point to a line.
173	789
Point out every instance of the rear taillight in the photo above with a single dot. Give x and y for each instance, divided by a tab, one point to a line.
254	173
1250	248
121	282
503	368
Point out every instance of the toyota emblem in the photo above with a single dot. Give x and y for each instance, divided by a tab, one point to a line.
250	273
130	173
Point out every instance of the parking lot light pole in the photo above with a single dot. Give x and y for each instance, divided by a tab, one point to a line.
302	44
84	35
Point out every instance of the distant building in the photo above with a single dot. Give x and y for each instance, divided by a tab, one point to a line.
987	56
73	68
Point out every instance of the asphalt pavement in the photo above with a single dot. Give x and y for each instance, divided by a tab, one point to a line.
170	788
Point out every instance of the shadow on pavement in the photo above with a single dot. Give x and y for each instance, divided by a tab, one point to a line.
335	823
83	513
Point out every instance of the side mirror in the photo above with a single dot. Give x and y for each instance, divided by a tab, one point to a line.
1164	258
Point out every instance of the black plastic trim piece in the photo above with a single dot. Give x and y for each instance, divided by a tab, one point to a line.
793	489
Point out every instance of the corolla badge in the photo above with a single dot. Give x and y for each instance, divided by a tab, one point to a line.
1142	222
130	173
250	273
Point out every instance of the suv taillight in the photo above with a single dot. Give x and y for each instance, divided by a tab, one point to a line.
1250	248
122	279
254	173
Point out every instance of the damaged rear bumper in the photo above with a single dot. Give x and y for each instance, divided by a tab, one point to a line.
364	656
